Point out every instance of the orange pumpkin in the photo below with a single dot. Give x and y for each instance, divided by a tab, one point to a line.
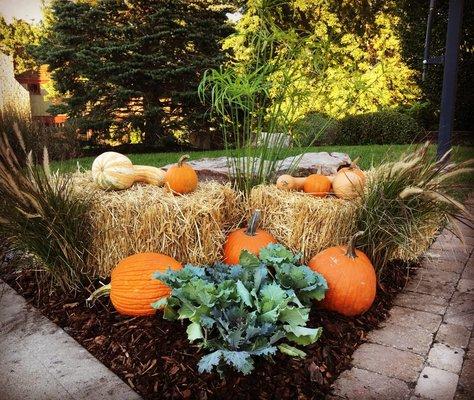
350	276
132	287
317	185
251	239
181	178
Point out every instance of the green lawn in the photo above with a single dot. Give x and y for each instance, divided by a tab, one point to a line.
369	155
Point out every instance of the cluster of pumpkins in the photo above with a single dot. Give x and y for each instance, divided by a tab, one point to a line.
349	273
114	171
348	183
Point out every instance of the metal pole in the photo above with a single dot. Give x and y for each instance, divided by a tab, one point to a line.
448	96
429	24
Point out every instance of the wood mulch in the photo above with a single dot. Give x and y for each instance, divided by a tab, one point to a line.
155	358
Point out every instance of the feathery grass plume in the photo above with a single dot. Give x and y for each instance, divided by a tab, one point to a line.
40	215
406	199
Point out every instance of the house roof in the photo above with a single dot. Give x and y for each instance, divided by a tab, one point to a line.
38	75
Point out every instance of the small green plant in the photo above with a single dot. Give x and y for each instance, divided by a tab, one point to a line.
406	199
40	214
241	311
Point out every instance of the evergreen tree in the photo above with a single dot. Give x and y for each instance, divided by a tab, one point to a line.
133	65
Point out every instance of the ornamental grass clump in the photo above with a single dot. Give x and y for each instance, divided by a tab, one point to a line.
246	310
406	202
40	214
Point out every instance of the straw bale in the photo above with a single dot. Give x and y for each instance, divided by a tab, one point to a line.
308	224
304	223
191	228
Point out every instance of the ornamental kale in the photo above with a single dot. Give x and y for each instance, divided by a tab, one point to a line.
244	310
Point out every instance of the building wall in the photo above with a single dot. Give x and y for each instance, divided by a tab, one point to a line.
13	96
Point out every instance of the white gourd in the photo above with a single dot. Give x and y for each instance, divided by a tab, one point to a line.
113	170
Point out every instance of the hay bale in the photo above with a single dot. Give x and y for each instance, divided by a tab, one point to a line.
190	228
304	223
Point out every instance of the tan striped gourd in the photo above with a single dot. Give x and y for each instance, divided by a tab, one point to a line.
114	171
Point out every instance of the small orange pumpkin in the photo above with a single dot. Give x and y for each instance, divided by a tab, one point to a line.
132	287
181	178
317	185
350	276
251	239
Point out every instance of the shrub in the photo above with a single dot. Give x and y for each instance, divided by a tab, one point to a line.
40	214
241	311
315	129
62	141
383	127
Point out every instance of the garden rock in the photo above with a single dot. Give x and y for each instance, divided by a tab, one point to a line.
308	163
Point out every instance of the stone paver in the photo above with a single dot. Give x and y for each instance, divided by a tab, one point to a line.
409	318
361	384
436	384
466	381
455	266
453	335
38	360
446	358
422	302
415	339
461	310
422	285
394	363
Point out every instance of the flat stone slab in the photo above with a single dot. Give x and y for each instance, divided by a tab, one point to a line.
303	164
446	358
409	318
422	302
465	286
436	384
361	384
453	335
38	360
415	339
388	361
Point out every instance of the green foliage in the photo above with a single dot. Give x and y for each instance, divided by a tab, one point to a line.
403	196
362	70
16	39
133	65
382	127
241	311
40	215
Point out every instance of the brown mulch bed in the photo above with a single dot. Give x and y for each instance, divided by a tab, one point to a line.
155	358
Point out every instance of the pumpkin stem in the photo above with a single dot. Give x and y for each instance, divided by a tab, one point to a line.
253	223
102	291
351	251
182	159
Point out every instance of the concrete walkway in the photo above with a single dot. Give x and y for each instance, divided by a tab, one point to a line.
38	360
425	350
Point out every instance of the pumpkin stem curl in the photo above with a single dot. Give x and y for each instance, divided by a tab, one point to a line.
351	250
253	223
102	291
182	159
